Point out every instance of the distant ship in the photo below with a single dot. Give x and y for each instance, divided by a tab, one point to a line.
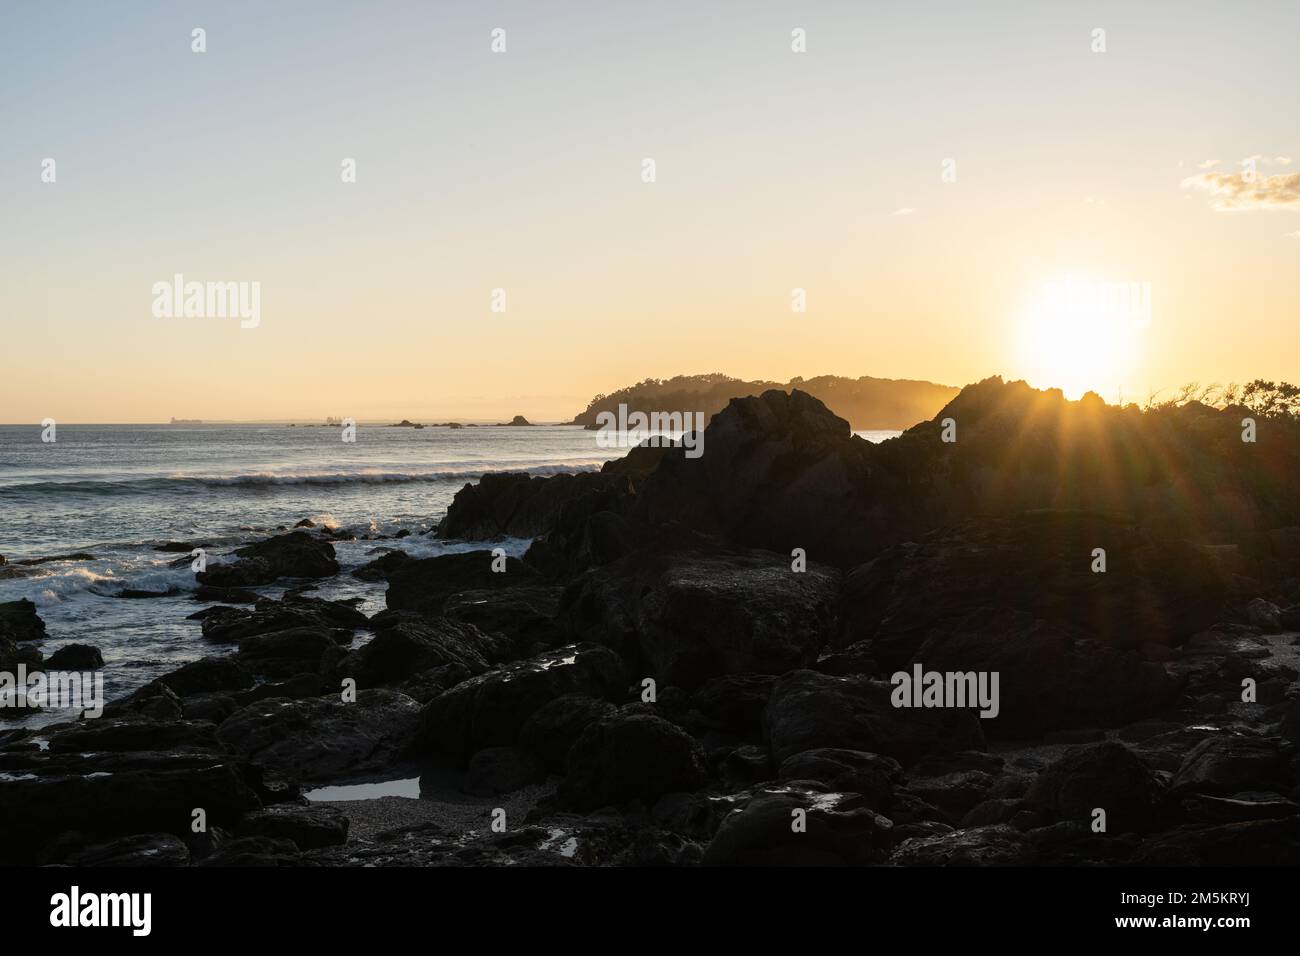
187	421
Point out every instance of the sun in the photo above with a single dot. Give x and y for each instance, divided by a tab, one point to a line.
1082	335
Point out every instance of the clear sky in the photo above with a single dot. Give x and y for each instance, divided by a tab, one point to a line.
522	170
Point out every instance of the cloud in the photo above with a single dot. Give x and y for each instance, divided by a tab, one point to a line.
905	211
1282	160
1291	235
1208	164
1232	191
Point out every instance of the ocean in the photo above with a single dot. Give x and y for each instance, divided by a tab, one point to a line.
118	492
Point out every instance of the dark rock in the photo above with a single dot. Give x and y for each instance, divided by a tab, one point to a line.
229	624
1264	615
518	505
846	771
688	616
127	734
324	738
142	850
425	584
208	675
20	622
1225	765
1105	776
629	756
382	566
75	657
1238	808
308	828
496	770
554	727
735	702
1248	844
285	653
778	471
413	645
489	710
256	851
134	793
525	614
297	554
207	592
1040	564
840	830
997	845
809	710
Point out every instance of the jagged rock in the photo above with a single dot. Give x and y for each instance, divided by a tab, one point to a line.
75	657
382	566
1264	615
141	850
283	654
1106	776
525	614
230	624
735	702
425	584
688	616
496	770
297	554
629	755
413	645
490	710
518	505
307	827
208	675
841	829
554	727
809	710
997	845
324	738
846	771
1225	765
20	622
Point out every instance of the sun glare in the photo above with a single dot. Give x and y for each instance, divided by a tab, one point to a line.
1082	335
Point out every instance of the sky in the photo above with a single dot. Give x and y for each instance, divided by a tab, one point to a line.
1109	163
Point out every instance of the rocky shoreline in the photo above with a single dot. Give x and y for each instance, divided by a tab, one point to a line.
691	664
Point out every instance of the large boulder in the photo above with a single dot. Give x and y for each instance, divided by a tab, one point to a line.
1106	776
113	793
629	755
324	738
777	471
686	616
554	728
425	584
411	645
281	654
1225	765
298	554
228	624
798	826
809	710
1040	563
519	505
20	622
309	827
490	710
